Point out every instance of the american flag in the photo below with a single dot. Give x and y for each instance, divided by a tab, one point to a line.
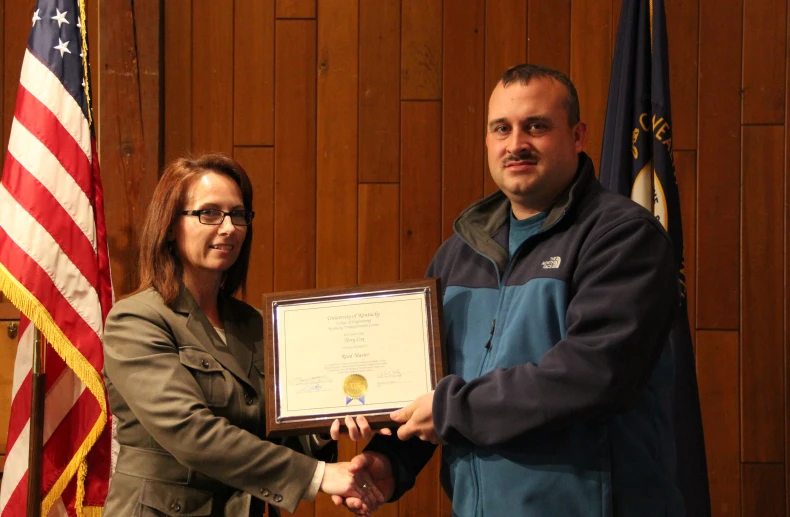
54	267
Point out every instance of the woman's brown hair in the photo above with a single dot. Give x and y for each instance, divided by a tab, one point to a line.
160	267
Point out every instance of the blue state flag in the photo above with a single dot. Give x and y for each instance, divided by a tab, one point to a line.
636	161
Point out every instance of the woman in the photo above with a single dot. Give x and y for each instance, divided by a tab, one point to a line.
184	366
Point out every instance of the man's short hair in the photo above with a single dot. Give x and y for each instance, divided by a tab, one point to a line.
524	73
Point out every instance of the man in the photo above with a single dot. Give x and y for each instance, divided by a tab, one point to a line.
558	300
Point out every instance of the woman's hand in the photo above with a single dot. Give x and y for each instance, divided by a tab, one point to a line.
356	430
350	479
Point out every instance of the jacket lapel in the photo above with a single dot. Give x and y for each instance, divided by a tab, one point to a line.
207	338
236	337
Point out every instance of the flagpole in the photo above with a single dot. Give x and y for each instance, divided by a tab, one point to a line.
36	444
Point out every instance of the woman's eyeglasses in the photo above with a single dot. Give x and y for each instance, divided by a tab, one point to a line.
215	217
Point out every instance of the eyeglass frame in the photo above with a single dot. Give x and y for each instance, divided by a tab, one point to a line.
200	212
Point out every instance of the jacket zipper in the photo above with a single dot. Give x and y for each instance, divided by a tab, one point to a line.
490	335
489	344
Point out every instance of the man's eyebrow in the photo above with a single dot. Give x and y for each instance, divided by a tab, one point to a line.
538	118
496	122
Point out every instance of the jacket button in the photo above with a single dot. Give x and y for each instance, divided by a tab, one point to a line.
278	498
204	363
249	399
175	507
265	492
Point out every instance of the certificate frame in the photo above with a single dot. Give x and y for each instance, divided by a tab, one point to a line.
278	421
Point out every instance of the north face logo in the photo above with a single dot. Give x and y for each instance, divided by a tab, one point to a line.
552	263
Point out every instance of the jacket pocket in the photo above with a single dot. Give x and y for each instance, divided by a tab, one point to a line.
213	379
159	499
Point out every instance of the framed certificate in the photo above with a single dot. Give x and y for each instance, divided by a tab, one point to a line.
366	350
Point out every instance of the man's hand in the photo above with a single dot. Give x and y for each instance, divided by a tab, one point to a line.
418	418
379	469
359	430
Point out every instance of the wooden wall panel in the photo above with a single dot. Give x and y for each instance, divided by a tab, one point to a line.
683	34
505	38
763	490
379	233
764	49
616	9
212	76
718	159
178	78
129	156
259	164
295	8
149	61
762	343
505	46
423	499
379	91
336	168
336	250
686	174
421	163
8	347
718	390
463	108
786	298
591	61
294	154
253	83
549	34
7	310
421	49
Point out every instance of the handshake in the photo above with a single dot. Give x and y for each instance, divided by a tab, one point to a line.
362	484
367	481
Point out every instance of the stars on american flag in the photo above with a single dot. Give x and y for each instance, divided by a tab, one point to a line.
56	39
61	19
63	47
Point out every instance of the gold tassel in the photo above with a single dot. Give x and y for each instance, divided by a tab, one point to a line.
24	300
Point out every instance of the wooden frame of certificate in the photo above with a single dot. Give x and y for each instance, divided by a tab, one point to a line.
365	350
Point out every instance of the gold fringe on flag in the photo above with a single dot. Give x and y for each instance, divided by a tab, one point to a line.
24	300
85	75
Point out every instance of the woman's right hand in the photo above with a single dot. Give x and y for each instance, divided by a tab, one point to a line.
350	479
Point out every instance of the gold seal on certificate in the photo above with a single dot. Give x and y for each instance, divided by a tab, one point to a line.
355	386
367	350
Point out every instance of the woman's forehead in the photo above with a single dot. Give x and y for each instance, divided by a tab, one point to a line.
212	186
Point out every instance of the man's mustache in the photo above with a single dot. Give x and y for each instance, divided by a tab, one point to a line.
520	157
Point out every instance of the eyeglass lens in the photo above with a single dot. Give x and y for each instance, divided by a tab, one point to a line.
238	218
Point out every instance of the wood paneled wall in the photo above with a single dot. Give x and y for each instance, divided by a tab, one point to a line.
361	123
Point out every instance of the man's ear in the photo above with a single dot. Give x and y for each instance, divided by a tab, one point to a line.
580	136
